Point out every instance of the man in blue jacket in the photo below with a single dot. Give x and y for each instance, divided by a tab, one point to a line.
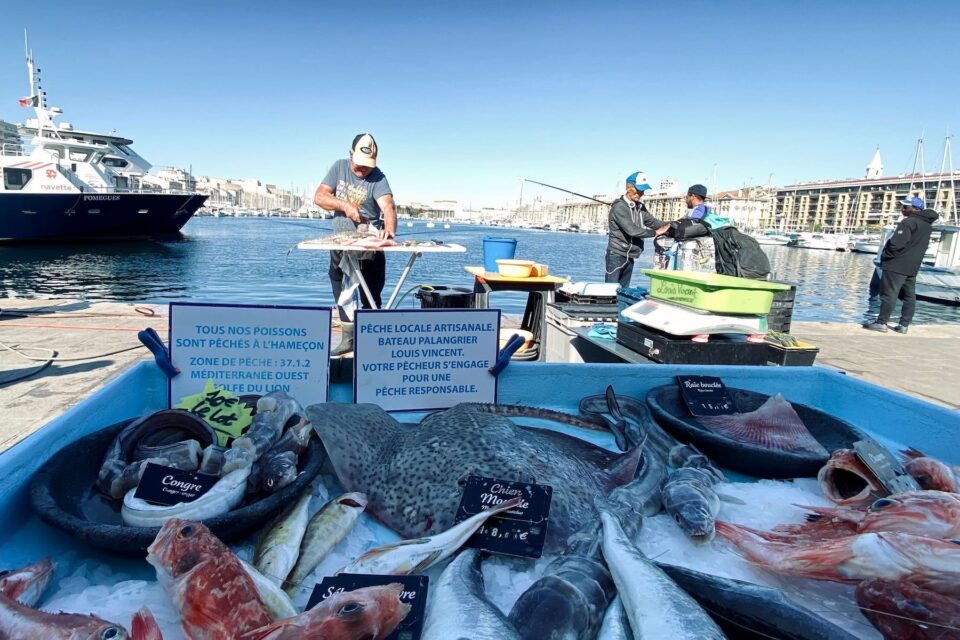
900	261
629	223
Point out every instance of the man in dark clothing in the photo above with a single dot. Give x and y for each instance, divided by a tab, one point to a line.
900	261
629	223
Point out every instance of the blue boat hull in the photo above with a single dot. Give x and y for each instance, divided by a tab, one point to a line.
42	217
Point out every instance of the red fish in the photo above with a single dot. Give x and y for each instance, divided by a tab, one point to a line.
902	610
931	562
931	473
20	622
144	626
26	585
216	598
846	481
371	613
935	514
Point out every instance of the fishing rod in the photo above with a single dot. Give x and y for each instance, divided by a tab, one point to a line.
550	186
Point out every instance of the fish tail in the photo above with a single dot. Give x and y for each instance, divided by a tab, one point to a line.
911	453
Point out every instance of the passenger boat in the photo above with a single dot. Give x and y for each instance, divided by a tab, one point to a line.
80	185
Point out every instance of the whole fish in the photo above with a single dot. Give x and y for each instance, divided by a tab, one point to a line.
325	530
569	600
852	558
616	625
688	496
846	481
413	556
224	496
655	605
20	622
273	411
411	473
274	598
278	547
766	612
144	626
371	613
458	607
216	598
27	585
935	514
930	473
278	467
901	610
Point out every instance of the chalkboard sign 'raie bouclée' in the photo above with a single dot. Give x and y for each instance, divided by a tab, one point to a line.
706	396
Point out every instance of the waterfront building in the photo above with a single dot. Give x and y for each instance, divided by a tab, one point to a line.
584	214
861	203
10	141
749	208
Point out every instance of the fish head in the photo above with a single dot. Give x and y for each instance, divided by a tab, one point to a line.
845	480
369	613
933	513
931	474
279	471
94	628
27	584
691	509
356	437
180	546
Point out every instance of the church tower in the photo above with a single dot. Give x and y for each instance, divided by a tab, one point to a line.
875	168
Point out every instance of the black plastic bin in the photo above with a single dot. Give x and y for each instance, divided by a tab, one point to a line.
781	310
439	297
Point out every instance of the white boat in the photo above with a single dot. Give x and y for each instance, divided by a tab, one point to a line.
409	224
867	246
772	239
430	225
446	226
825	241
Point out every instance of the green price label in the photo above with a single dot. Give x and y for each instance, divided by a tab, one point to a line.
220	409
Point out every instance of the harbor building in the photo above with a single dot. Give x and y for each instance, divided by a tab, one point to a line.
857	204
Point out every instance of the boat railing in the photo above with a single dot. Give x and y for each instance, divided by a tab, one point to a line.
86	189
12	149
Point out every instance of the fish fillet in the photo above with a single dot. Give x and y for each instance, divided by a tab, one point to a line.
775	425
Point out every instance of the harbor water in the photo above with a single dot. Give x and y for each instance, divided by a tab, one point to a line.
255	261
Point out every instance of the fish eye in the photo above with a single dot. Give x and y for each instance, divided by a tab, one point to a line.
110	633
186	531
350	608
678	518
883	503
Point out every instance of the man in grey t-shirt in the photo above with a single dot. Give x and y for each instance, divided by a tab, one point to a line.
358	193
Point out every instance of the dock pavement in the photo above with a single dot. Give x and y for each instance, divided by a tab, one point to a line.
96	341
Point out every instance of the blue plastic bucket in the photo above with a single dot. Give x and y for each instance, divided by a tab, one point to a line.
497	249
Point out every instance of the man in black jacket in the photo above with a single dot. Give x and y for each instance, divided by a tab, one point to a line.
900	261
629	223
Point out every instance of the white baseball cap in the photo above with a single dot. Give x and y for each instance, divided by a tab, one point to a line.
365	150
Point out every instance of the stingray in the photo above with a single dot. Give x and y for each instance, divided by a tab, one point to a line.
413	474
775	425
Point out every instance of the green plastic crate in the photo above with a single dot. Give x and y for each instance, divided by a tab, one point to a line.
712	291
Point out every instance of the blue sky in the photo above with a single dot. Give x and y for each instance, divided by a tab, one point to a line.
465	98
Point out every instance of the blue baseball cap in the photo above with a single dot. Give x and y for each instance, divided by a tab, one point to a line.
915	202
639	180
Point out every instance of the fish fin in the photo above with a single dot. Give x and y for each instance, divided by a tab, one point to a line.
911	453
624	468
144	626
613	405
427	562
730	499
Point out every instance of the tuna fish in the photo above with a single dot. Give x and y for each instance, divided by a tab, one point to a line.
739	606
458	607
28	584
411	473
655	605
20	622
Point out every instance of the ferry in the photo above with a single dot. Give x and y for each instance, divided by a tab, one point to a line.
72	185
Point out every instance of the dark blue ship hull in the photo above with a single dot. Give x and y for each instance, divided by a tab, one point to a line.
42	217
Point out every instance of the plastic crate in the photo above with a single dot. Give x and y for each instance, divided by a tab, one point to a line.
713	292
803	355
781	309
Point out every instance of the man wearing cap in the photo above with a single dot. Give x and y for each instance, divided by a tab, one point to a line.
629	223
696	197
900	260
359	195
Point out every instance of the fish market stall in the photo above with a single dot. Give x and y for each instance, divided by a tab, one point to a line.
793	564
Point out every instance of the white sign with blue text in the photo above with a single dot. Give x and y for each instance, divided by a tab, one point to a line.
420	360
249	349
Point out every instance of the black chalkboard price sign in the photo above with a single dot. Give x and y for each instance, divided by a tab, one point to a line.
169	486
706	396
414	593
518	532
